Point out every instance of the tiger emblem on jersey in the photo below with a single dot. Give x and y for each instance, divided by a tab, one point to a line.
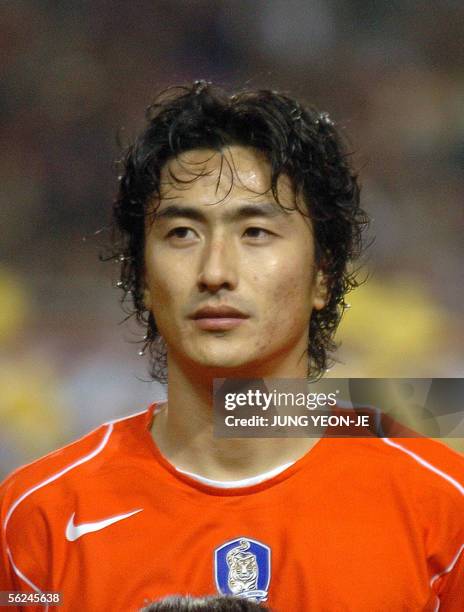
243	568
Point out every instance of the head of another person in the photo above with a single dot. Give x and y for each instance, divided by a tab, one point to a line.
243	201
206	604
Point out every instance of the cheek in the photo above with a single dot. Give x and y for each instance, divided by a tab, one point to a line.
292	303
291	291
287	310
165	282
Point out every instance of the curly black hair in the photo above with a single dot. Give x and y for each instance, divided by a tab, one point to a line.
215	603
296	139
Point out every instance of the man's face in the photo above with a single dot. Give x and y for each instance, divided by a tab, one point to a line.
230	277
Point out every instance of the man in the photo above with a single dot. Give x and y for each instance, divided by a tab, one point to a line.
238	216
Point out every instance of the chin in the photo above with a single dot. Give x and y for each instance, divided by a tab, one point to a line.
223	364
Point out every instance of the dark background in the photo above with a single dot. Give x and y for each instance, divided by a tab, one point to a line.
78	75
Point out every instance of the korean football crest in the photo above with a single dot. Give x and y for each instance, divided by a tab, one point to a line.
243	567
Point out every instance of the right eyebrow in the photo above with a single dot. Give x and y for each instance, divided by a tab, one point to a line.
174	210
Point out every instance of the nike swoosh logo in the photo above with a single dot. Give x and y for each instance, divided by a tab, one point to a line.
73	532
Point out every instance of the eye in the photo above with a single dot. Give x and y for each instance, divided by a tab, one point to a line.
257	233
182	233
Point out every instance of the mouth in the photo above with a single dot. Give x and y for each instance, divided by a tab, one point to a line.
220	318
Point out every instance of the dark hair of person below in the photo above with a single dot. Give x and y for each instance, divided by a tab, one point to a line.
297	140
204	604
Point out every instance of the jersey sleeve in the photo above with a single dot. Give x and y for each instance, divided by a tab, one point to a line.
450	586
6	576
23	542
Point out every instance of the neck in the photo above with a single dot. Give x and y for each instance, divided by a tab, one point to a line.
183	431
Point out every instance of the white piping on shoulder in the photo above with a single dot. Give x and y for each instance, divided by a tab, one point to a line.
84	459
426	464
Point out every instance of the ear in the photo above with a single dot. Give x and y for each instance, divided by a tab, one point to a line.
320	293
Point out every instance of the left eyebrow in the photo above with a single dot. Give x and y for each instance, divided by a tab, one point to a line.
267	209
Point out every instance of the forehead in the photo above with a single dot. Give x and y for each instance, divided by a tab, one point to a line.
234	173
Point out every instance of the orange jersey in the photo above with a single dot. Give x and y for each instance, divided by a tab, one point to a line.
365	525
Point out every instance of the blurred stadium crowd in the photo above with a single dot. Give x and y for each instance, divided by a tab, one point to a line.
76	78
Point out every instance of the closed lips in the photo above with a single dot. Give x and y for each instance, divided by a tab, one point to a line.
225	312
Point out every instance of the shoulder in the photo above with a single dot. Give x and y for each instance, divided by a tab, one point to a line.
419	466
426	461
417	482
37	500
64	469
429	450
52	467
422	474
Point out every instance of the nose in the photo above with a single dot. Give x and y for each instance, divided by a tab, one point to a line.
218	266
